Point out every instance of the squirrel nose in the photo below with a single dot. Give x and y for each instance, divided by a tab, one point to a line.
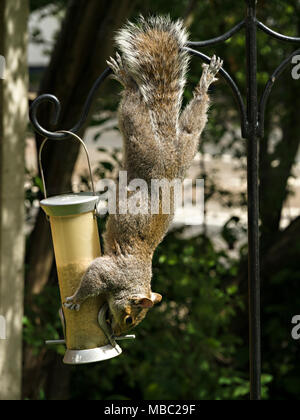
116	328
117	331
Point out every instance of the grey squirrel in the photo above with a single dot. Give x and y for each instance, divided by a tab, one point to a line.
160	142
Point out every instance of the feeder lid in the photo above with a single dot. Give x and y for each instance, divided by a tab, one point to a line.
69	204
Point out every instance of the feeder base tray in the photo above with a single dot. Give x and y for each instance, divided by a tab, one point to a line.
81	357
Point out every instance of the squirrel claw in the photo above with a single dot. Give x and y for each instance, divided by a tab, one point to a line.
119	59
116	64
113	65
69	304
215	65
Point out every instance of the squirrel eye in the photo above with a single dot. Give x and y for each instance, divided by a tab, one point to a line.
128	320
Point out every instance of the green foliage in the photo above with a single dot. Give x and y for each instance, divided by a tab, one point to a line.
281	301
185	348
42	325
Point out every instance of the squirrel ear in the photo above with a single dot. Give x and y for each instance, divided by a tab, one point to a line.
156	298
144	302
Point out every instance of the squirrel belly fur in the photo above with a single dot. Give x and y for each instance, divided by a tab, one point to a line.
160	142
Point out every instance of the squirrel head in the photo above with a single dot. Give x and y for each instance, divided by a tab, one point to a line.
127	313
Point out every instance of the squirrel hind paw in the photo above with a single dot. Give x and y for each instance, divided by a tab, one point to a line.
69	304
120	71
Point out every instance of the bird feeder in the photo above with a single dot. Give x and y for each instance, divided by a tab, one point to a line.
76	244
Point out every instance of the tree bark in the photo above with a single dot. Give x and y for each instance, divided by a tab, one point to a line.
274	180
284	252
13	124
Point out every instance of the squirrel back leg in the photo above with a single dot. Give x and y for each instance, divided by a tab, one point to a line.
142	149
194	117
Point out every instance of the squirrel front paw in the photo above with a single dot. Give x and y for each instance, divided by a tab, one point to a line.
208	75
72	304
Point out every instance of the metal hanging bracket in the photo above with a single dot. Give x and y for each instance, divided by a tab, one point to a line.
70	134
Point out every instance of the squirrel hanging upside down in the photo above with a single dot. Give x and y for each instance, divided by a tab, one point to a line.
160	142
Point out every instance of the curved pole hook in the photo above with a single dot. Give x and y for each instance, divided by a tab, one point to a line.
218	39
57	108
70	134
275	34
232	84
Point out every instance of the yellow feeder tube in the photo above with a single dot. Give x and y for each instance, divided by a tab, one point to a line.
76	244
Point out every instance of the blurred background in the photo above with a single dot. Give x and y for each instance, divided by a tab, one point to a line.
195	344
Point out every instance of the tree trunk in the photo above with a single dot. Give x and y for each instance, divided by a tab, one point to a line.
84	44
13	123
274	180
284	252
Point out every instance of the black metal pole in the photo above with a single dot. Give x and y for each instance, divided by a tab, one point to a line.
253	203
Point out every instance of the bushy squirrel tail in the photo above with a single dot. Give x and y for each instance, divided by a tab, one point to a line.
153	52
